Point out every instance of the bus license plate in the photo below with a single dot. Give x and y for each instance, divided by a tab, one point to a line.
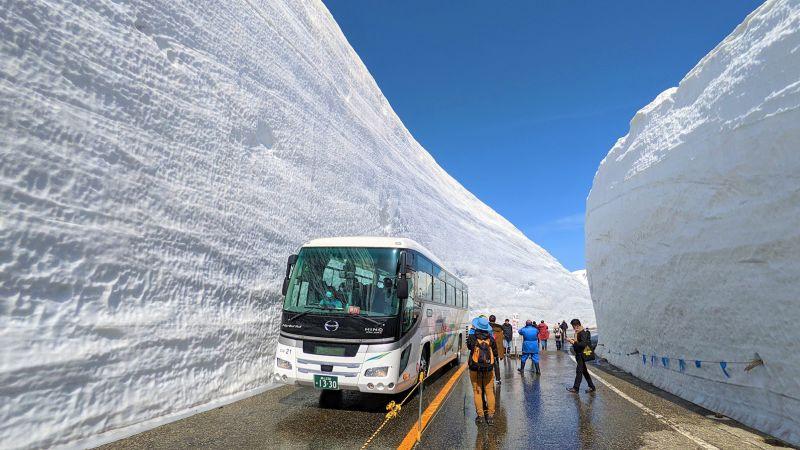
326	382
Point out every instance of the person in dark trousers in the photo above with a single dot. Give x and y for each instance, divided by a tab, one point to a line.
557	333
508	335
582	340
544	334
530	346
482	358
563	327
497	332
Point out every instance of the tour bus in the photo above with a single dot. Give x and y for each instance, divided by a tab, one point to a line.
368	314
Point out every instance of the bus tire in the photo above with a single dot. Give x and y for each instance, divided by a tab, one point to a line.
460	348
424	360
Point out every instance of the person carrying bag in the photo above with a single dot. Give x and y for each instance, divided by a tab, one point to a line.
582	345
482	359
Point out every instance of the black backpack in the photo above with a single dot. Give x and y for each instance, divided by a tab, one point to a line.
482	357
588	351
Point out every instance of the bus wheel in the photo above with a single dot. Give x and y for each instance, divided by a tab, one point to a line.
458	355
424	359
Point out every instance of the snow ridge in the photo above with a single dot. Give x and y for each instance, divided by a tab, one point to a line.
581	276
158	163
704	265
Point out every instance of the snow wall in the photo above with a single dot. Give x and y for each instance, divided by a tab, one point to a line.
158	163
692	235
581	276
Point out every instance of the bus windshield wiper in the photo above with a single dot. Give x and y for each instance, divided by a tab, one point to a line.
367	319
297	316
301	314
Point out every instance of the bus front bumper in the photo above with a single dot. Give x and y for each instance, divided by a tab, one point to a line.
293	368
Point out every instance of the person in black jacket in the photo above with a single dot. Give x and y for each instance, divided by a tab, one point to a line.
563	327
508	334
582	339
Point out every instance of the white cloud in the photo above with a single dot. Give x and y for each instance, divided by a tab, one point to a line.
567	223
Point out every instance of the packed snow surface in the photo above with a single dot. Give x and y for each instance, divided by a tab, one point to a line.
581	276
692	232
158	163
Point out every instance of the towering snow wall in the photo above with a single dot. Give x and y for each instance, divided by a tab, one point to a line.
692	232
158	163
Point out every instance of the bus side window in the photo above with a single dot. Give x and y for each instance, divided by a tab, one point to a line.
438	284
424	278
410	315
438	290
424	286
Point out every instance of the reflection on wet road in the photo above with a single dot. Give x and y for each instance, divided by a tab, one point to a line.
536	411
533	412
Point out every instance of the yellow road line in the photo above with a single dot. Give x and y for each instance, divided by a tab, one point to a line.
411	437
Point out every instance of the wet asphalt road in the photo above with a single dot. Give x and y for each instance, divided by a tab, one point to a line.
533	412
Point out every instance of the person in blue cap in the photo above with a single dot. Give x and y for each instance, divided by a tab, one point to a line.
530	346
482	358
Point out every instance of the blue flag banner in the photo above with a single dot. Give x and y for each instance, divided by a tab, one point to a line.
644	359
681	365
723	365
697	364
652	360
665	361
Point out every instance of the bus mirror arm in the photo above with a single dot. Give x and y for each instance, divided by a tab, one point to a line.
289	264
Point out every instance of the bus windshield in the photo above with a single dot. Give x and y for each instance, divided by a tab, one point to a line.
349	280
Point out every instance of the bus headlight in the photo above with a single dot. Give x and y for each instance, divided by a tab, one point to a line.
283	364
376	372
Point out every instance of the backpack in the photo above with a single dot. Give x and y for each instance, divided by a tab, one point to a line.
482	357
588	351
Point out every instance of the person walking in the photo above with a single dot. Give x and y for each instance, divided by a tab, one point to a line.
508	335
563	327
482	359
557	336
530	346
583	339
497	332
544	334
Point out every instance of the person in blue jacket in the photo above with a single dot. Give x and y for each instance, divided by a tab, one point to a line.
530	345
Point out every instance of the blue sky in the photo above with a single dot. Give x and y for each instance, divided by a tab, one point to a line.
521	100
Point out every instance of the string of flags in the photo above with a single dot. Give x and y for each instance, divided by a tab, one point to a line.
668	362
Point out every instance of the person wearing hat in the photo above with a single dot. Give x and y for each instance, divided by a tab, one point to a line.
530	346
472	328
482	358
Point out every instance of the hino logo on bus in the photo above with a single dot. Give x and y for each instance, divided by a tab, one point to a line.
377	330
331	325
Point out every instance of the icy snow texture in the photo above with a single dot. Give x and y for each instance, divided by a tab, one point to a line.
158	163
692	229
581	276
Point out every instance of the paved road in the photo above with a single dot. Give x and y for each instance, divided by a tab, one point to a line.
534	412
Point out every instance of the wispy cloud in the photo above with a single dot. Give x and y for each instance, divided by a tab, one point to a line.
571	222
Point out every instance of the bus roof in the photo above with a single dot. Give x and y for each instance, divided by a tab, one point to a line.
375	242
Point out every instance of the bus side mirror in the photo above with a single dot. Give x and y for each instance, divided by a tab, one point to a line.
402	288
289	264
285	287
406	260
